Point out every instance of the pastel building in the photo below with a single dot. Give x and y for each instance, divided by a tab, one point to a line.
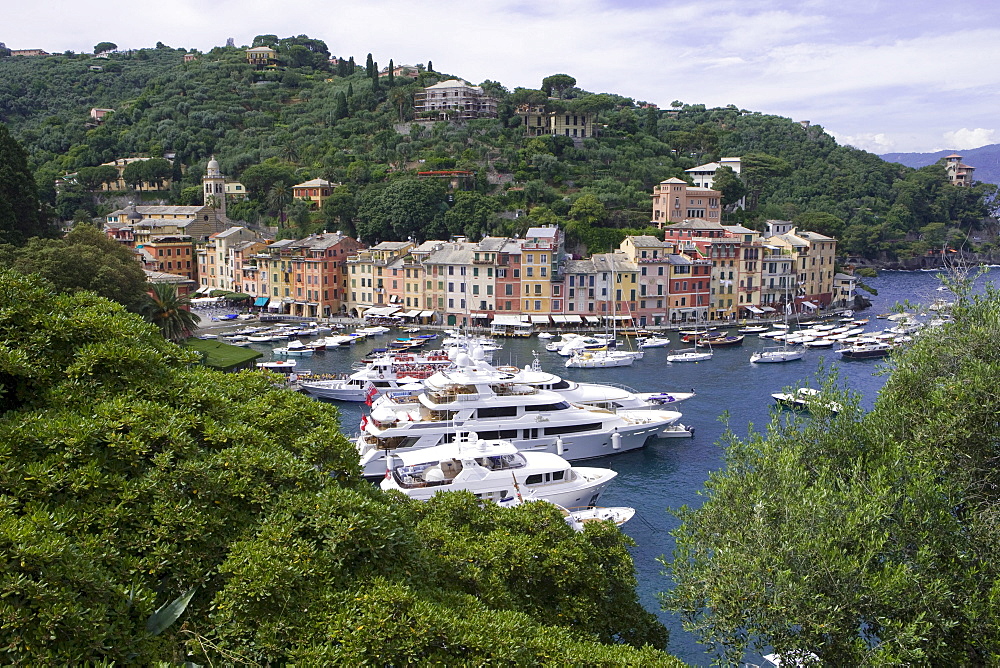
813	256
315	191
651	257
959	174
675	201
454	100
216	263
538	120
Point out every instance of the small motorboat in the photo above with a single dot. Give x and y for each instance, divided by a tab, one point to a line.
805	398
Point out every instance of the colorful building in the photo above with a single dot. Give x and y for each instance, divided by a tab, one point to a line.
675	201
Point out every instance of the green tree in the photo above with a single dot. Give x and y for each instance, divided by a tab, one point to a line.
865	539
557	84
340	107
135	174
86	259
170	312
260	178
820	221
20	213
729	184
92	178
279	197
101	47
757	169
134	477
404	208
472	214
588	209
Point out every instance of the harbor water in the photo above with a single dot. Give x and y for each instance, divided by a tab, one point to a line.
669	473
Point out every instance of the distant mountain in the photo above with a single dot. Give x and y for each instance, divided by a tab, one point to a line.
986	160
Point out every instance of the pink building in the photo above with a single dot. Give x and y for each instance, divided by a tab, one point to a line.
674	200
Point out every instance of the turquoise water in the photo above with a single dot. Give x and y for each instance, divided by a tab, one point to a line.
670	472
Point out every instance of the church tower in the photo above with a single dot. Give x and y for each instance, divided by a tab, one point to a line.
214	186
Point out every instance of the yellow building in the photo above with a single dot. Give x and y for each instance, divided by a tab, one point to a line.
261	56
368	275
541	281
813	255
315	192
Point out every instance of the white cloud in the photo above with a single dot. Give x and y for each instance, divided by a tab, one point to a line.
965	138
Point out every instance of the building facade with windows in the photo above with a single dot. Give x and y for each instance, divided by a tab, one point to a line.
454	100
675	201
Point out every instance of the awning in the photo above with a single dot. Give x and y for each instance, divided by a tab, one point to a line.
275	304
573	318
427	314
410	314
592	318
539	318
753	309
767	309
203	289
619	318
506	320
558	318
260	301
810	306
378	311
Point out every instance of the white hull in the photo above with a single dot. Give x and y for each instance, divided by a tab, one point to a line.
496	471
572	447
655	342
690	356
601	359
776	356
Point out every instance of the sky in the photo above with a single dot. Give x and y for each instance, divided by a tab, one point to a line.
881	75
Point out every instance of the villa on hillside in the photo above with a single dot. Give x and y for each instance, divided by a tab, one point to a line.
958	174
454	100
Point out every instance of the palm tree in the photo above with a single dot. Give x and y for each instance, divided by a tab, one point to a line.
278	198
165	309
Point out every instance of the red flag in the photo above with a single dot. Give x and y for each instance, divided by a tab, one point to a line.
370	394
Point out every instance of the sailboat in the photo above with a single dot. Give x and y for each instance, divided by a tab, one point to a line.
607	356
780	353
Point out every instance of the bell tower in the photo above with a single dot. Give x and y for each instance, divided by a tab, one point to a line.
214	187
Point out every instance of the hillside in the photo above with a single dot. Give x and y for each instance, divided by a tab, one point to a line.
306	118
986	160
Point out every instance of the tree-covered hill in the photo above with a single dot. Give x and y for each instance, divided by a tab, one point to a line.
986	160
306	118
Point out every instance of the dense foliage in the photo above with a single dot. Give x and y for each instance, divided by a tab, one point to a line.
864	539
133	479
20	214
305	118
83	259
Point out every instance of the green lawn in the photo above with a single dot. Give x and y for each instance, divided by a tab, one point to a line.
222	356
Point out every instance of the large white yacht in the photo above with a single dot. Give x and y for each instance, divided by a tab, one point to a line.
390	372
495	471
474	396
598	395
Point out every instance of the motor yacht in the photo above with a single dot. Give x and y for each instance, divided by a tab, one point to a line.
475	396
494	470
384	374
